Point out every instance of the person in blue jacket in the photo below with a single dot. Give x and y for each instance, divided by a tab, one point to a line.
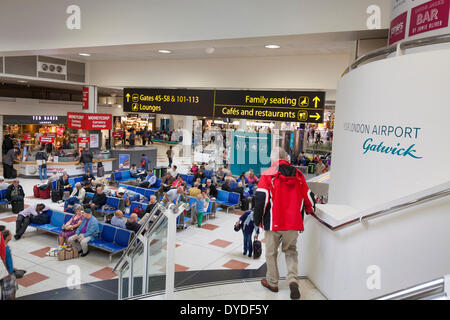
85	233
247	226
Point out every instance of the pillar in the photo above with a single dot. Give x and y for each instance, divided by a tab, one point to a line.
187	135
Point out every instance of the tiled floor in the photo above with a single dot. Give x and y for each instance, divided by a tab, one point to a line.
215	246
246	290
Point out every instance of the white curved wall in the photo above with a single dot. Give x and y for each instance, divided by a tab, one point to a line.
406	91
408	247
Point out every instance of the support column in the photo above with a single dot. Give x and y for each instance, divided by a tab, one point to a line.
187	136
242	125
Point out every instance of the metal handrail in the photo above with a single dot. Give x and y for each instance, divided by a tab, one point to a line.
443	38
379	213
146	220
417	292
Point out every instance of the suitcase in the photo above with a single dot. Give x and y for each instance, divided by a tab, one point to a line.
67	254
36	191
56	195
17	206
44	194
100	171
257	249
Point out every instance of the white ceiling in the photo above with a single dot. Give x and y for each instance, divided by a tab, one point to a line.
325	43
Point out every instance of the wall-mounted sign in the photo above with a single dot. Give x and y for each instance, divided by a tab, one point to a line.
292	106
415	19
117	134
34	119
83	139
124	161
46	139
94	140
89	121
85	98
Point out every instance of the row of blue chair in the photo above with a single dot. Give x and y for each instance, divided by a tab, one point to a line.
109	238
142	191
3	200
228	199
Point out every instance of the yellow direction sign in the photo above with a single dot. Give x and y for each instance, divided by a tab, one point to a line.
316	101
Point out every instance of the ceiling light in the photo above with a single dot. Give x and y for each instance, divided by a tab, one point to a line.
85	54
22	81
272	46
210	50
164	51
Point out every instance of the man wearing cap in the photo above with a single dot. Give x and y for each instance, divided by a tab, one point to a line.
122	194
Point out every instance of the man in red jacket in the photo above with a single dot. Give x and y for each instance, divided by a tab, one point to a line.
280	198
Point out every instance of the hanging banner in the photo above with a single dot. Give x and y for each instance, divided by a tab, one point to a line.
117	134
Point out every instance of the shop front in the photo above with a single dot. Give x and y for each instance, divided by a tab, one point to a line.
29	130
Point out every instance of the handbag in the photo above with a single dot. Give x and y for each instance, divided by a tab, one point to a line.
67	254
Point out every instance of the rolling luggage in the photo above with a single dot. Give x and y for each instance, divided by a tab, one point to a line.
56	195
36	191
257	248
100	170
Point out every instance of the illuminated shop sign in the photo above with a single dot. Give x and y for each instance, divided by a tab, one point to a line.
34	119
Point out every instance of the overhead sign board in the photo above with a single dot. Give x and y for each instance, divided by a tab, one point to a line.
291	106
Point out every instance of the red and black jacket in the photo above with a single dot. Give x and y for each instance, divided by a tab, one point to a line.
281	197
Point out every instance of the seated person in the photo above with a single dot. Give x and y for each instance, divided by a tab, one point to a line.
152	203
194	168
64	184
149	180
244	201
226	186
177	183
195	191
88	188
200	175
133	171
77	196
166	183
132	223
85	232
87	177
252	178
25	216
173	171
68	229
220	174
122	194
15	192
117	220
97	201
211	187
54	177
242	178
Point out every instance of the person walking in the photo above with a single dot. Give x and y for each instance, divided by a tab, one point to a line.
41	161
247	225
8	285
280	198
170	155
86	158
8	163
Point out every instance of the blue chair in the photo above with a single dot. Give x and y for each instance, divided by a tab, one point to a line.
3	199
122	238
113	202
118	176
156	186
222	196
190	180
233	185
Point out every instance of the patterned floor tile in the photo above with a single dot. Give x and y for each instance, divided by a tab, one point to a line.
41	253
220	243
104	274
31	279
209	226
236	265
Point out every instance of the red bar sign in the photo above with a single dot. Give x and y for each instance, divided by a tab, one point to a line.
46	139
84	139
429	16
398	28
27	137
85	97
